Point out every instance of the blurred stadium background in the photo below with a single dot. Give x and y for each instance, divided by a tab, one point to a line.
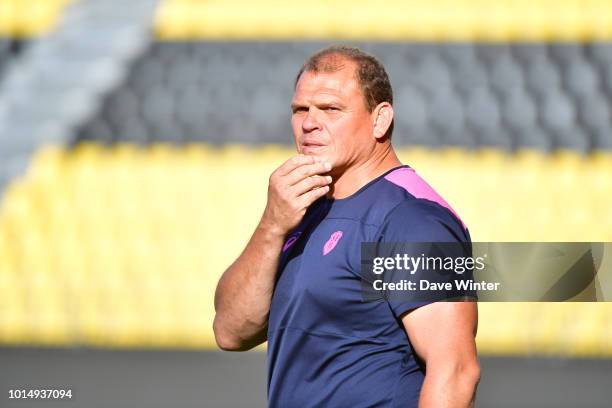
136	140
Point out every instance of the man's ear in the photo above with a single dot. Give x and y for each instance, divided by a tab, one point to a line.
382	117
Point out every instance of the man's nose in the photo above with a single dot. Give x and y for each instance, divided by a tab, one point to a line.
311	121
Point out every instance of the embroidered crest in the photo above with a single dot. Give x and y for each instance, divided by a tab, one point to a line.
291	240
332	242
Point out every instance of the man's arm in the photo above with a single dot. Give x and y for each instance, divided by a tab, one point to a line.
244	292
443	335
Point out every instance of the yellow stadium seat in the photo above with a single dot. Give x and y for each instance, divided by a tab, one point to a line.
436	20
29	18
123	246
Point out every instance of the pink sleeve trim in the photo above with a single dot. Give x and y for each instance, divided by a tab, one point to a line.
415	185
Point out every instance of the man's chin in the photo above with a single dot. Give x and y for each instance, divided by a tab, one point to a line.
317	151
321	157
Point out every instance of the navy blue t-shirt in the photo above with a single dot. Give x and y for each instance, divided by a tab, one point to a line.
326	346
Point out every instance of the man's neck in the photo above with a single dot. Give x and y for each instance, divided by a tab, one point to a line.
360	174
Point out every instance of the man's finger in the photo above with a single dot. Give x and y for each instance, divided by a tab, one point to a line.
310	183
311	196
295	162
302	172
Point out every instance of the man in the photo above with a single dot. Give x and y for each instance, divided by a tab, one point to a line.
297	283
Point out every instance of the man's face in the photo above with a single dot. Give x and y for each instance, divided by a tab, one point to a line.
330	119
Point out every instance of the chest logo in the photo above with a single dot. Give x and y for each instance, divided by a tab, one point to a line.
332	242
291	241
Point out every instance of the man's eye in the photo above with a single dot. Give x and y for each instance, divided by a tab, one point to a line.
331	108
299	110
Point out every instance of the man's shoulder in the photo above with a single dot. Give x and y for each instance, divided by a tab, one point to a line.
421	201
415	209
422	219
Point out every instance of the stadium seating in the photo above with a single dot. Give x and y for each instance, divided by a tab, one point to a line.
123	246
468	95
438	20
29	18
119	240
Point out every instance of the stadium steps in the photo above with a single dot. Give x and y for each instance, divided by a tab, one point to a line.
9	49
56	83
122	246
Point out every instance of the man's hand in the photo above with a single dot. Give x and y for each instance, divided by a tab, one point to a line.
293	187
244	292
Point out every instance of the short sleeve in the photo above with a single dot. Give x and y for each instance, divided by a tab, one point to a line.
422	221
426	230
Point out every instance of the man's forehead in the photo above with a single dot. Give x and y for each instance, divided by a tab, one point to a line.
340	82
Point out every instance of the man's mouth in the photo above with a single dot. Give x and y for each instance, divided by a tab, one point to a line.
311	146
